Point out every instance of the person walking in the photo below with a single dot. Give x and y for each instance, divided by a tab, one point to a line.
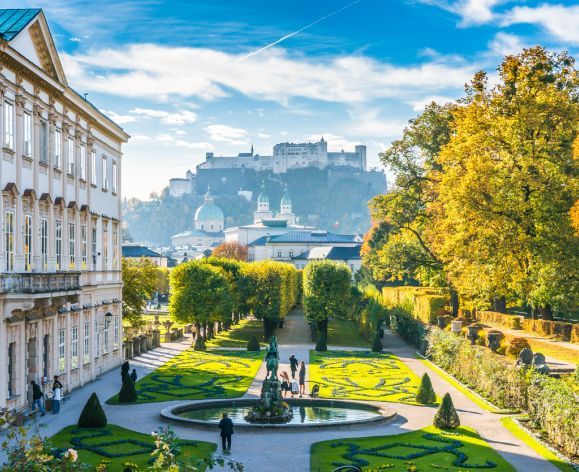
56	395
37	398
226	427
293	365
302	379
134	375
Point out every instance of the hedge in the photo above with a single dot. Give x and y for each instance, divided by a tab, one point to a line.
550	403
565	331
408	328
372	313
423	303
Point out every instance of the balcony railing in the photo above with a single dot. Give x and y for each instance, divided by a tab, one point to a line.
39	282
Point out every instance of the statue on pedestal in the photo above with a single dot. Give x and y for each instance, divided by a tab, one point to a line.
272	359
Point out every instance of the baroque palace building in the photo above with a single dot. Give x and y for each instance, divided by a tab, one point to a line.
60	171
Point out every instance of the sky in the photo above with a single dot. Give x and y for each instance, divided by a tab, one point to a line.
188	77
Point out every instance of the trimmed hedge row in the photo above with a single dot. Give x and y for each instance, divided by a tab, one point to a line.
550	403
408	328
371	314
423	303
565	331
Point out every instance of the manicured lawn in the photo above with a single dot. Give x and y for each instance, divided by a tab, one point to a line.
118	446
239	334
345	333
194	375
425	449
362	375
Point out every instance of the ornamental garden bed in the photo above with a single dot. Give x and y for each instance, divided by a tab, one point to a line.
118	446
425	449
362	375
195	375
238	335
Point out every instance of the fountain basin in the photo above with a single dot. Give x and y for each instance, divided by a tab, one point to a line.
307	414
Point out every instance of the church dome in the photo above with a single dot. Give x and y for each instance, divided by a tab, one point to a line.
286	200
209	211
263	198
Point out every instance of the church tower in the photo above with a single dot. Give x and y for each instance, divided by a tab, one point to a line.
262	212
286	212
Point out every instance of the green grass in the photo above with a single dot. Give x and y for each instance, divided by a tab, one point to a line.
345	333
534	444
134	448
362	375
194	375
473	396
239	334
398	452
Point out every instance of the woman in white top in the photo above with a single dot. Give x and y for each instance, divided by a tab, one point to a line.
56	395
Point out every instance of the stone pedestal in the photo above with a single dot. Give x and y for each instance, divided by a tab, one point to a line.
271	407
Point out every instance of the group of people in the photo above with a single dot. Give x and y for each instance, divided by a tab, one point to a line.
38	396
293	386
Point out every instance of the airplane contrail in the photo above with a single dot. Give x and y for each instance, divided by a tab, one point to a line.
287	36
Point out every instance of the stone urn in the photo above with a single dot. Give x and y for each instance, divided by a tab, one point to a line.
456	326
441	321
472	334
494	339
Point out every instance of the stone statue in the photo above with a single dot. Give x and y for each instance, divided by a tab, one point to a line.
525	358
540	364
272	359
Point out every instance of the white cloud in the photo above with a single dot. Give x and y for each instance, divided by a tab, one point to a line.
419	105
179	118
505	44
180	132
471	12
119	119
227	134
367	123
74	39
137	70
560	21
263	135
167	139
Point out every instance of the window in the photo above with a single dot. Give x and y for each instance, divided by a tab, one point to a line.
9	240
43	141
279	254
115	247
83	246
58	239
11	369
71	244
70	156
97	350
27	243
86	344
44	242
61	350
291	254
114	177
106	343
27	151
94	248
105	247
117	326
105	171
93	166
8	125
74	348
58	149
82	163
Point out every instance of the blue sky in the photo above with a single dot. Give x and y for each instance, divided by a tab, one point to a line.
184	78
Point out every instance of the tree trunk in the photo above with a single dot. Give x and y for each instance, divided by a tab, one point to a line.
219	327
535	313
322	326
454	302
500	305
268	328
546	313
197	330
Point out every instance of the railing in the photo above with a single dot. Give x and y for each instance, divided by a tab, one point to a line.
39	282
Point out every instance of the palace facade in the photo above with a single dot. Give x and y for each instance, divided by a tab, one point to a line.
60	257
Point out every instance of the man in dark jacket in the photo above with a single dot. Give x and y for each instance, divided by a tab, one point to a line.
293	365
226	427
37	398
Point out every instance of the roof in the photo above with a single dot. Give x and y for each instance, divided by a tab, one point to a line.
139	251
334	253
259	241
312	237
209	211
198	233
12	21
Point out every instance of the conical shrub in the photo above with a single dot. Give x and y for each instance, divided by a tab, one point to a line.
377	344
446	416
92	415
253	344
125	367
128	393
425	393
322	344
200	344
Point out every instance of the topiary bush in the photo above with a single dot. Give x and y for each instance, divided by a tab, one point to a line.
322	344
446	416
516	345
426	394
93	415
253	344
200	344
128	393
125	367
377	344
516	323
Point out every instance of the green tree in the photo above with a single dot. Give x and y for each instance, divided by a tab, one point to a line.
200	294
425	394
446	416
93	415
139	282
128	392
326	292
506	183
